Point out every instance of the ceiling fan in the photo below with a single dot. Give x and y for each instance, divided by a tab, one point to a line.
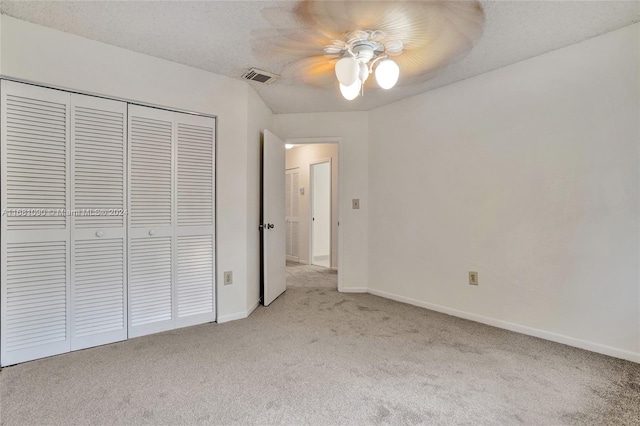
352	39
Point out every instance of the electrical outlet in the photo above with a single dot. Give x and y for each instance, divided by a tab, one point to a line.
355	203
228	277
473	278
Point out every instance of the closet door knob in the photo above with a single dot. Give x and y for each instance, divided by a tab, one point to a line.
99	234
152	232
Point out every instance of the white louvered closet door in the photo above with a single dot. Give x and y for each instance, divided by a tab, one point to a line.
151	216
98	278
195	183
35	231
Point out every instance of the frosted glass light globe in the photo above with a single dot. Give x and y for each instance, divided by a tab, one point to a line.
350	92
387	73
347	70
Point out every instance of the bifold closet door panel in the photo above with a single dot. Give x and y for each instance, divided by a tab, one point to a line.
98	279
151	218
195	239
34	235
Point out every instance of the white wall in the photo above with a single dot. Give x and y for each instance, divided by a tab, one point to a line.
260	118
301	157
51	57
352	128
529	175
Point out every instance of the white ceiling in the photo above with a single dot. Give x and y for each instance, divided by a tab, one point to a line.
220	36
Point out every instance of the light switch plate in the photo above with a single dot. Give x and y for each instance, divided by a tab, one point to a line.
355	203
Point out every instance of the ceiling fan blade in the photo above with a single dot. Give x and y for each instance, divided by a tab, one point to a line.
452	32
408	21
343	17
315	71
288	45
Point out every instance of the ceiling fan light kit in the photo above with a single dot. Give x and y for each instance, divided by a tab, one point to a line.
361	55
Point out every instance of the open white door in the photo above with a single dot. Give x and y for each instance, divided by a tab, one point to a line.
321	214
273	218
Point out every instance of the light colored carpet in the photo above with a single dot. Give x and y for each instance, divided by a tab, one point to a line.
320	357
301	275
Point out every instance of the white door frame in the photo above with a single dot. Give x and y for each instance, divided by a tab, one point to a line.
338	141
311	219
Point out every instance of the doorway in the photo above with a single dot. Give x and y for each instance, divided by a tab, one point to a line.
311	192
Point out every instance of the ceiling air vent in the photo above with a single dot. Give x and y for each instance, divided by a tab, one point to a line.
260	76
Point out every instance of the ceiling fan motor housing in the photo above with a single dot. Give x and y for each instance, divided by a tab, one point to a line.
365	50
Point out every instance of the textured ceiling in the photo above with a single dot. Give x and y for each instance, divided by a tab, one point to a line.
221	37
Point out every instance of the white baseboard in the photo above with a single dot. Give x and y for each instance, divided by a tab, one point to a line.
253	307
354	290
238	315
231	317
547	335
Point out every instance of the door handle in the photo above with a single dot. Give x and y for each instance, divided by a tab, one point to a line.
99	234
